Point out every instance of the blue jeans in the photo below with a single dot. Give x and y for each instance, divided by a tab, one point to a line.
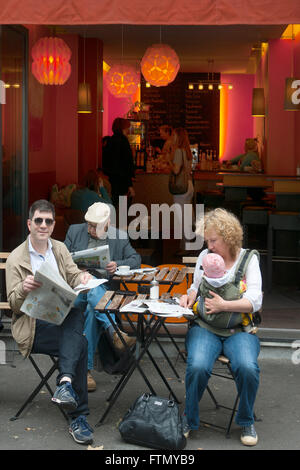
203	348
95	323
67	342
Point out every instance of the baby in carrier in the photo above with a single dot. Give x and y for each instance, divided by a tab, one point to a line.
215	274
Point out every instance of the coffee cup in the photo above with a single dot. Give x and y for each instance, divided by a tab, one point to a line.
124	270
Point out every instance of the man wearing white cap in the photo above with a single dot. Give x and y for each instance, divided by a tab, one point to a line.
98	232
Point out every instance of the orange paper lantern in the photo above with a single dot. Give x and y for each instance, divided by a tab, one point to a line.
122	80
51	61
160	65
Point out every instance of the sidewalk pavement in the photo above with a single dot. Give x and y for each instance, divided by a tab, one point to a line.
42	427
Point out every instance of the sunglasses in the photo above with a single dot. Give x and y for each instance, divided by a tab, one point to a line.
40	220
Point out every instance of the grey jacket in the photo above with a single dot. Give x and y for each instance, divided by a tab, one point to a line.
121	251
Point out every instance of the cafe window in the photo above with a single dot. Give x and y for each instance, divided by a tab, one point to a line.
13	136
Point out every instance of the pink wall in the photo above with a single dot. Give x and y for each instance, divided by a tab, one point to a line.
239	119
112	108
281	124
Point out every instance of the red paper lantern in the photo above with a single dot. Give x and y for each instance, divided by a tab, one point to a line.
122	80
160	65
51	61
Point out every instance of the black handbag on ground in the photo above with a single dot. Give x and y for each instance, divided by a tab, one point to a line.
153	422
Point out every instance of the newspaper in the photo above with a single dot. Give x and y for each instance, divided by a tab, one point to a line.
55	298
97	257
161	308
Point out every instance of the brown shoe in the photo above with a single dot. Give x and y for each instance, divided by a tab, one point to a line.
118	343
91	382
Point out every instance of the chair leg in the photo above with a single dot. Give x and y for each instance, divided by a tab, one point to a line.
231	417
212	397
44	381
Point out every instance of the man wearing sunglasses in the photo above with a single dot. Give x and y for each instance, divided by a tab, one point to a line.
66	341
96	232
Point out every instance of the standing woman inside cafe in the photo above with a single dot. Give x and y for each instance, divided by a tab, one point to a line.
223	234
180	163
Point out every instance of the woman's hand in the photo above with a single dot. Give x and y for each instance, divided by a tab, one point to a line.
187	301
214	305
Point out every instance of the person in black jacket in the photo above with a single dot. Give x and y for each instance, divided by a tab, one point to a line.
118	161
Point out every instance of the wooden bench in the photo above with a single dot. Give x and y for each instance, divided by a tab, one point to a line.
8	346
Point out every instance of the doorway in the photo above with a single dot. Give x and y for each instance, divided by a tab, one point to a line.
13	136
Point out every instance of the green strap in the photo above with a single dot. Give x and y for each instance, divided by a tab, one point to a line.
242	266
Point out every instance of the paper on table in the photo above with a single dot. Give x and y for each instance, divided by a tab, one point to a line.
89	285
157	307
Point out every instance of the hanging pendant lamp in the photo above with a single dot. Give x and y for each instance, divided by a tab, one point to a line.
84	98
84	91
160	65
51	61
122	80
258	102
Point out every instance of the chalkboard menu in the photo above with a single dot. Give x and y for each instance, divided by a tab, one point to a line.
178	106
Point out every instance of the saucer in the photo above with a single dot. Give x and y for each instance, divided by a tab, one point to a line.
118	273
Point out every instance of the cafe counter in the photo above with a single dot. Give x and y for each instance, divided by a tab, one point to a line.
152	188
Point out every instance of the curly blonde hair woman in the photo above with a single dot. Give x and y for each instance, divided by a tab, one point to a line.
223	235
226	225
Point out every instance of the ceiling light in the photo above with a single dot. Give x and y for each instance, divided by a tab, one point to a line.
84	105
160	65
50	64
258	102
209	84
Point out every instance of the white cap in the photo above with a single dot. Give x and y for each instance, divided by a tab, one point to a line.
98	213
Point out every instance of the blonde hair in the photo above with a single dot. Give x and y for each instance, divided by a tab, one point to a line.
225	224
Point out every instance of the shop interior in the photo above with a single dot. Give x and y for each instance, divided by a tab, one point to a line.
48	146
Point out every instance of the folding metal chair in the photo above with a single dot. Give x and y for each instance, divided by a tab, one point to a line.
44	382
224	362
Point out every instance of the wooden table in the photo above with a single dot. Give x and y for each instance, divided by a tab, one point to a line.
165	276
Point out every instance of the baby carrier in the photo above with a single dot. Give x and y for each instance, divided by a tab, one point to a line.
229	291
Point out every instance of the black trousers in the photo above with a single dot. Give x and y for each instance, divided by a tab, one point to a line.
66	341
